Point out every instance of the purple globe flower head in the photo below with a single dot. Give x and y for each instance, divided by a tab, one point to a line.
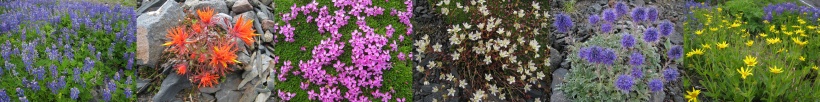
593	19
636	72
75	93
650	35
651	14
638	14
666	28
655	85
599	55
670	74
562	23
621	8
636	59
609	15
627	41
624	83
675	53
606	27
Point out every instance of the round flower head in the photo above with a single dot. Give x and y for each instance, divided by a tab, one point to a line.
666	28
609	15
655	85
606	27
600	55
636	59
624	82
670	74
593	19
627	41
621	8
675	53
638	14
637	72
650	35
651	14
562	23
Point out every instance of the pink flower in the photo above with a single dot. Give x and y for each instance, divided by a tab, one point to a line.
394	46
401	38
304	86
303	48
284	69
400	100
287	30
389	31
286	96
401	56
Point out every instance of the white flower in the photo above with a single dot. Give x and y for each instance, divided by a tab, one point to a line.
481	1
531	66
458	5
478	96
521	40
454	40
503	42
534	45
420	69
426	83
493	89
462	83
521	13
440	3
536	31
537	99
435	89
480	25
527	88
483	9
451	92
540	75
487	60
466	25
503	96
474	36
454	30
445	11
500	31
473	2
536	5
446	2
503	54
466	8
455	55
488	77
431	64
450	77
437	47
511	79
547	61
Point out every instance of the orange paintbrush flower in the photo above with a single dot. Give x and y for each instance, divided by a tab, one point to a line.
205	15
197	28
182	69
178	38
243	30
222	55
206	80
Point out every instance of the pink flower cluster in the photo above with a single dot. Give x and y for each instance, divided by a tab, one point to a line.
304	85
389	31
326	94
287	30
285	68
286	96
384	96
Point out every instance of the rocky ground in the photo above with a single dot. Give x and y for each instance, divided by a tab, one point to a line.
250	81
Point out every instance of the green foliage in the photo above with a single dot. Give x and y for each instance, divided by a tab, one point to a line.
594	82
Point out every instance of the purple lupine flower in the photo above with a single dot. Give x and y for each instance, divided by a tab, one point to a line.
111	85
593	19
130	59
106	94
651	14
53	86
88	64
636	72
54	70
34	85
609	15
621	8
670	74
68	52
666	28
4	97
562	23
127	92
675	53
624	83
40	73
77	77
655	85
638	14
636	59
650	35
75	93
606	27
117	75
23	99
627	41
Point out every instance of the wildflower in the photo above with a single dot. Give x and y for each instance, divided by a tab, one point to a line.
722	45
692	95
675	52
815	67
772	40
205	15
243	29
606	27
636	59
621	8
488	77
750	43
638	14
666	28
595	54
127	92
670	74
182	68
750	61
401	56
651	14
4	97
593	19
775	70
655	85
624	83
627	41
651	35
699	32
178	38
455	55
744	72
801	58
223	55
437	47
609	15
106	94
75	93
762	35
713	29
562	23
286	96
303	85
206	80
798	42
637	72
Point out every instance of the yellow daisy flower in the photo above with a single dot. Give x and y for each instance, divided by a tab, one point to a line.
699	32
772	40
775	70
782	50
750	43
692	96
694	52
762	35
798	42
750	61
713	29
744	72
706	46
802	58
815	67
722	45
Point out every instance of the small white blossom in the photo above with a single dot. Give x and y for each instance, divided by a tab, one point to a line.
536	5
431	64
503	54
527	88
493	89
503	96
420	69
458	5
466	25
435	89
511	79
534	45
455	55
474	36
487	60
484	10
478	96
462	83
521	13
426	83
540	75
488	77
437	47
451	92
454	40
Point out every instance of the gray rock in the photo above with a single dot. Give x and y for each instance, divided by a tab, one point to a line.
209	90
558	77
255	2
228	93
555	58
265	2
170	87
268	25
142	85
249	95
657	96
243	58
262	15
558	96
149	6
262	97
267	37
206	97
229	3
151	30
218	6
242	6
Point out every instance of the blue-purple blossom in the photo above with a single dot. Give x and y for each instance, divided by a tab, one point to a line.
624	83
670	74
77	77
4	97
666	28
593	19
675	53
636	72
606	27
621	8
88	64
106	94
75	93
636	59
638	14
655	85
40	73
600	55
651	14
650	35
609	15
111	85
627	41
54	70
562	23
127	92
